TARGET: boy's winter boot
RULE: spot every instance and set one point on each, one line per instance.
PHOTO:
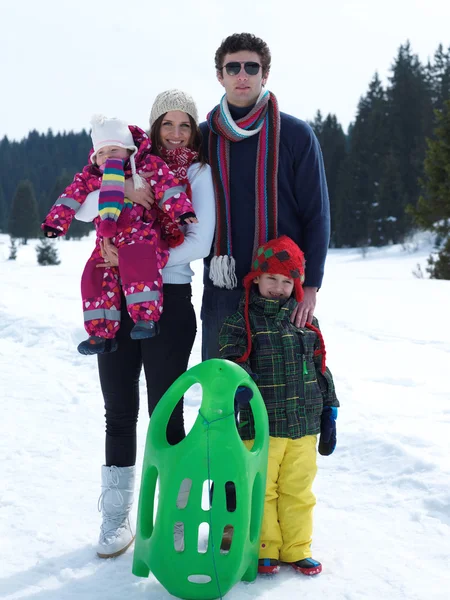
(115, 503)
(268, 566)
(308, 566)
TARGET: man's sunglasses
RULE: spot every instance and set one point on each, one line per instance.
(234, 68)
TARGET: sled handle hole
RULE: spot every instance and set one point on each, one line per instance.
(203, 537)
(183, 493)
(178, 536)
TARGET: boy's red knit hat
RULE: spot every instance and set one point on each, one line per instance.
(280, 256)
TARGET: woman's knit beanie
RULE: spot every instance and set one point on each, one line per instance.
(173, 100)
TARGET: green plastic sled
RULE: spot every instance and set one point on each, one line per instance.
(198, 470)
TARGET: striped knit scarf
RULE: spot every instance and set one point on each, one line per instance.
(111, 197)
(263, 119)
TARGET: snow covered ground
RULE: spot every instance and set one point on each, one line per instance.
(382, 522)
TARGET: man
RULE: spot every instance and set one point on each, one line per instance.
(269, 180)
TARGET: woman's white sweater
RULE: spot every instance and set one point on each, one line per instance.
(198, 237)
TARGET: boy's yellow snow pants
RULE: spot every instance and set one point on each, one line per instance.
(286, 532)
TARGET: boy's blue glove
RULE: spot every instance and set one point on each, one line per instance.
(327, 439)
(242, 397)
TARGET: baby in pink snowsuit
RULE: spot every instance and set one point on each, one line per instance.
(119, 151)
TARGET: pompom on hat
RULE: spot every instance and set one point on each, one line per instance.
(280, 256)
(173, 100)
(114, 132)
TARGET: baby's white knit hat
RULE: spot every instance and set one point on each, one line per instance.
(114, 132)
(173, 100)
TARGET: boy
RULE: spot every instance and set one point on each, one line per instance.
(288, 364)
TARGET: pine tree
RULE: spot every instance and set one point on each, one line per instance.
(3, 211)
(433, 208)
(410, 123)
(317, 124)
(390, 197)
(342, 218)
(23, 218)
(439, 73)
(40, 158)
(333, 142)
(361, 212)
(439, 266)
(47, 253)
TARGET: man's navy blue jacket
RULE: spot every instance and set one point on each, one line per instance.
(303, 205)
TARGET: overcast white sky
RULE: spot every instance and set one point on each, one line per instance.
(62, 61)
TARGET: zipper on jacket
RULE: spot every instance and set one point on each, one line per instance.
(304, 370)
(305, 366)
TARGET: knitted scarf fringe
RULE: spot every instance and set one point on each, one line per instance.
(222, 272)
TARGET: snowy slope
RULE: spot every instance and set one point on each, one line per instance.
(382, 522)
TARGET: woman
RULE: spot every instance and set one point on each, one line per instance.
(176, 137)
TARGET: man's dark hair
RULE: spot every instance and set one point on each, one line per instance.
(244, 41)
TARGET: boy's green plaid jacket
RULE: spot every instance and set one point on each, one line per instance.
(287, 373)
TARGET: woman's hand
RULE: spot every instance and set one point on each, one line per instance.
(109, 253)
(187, 220)
(143, 196)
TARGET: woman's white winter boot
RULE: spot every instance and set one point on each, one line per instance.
(115, 503)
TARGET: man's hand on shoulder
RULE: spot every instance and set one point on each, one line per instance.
(304, 311)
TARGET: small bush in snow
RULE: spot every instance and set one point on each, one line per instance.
(417, 272)
(12, 250)
(47, 253)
